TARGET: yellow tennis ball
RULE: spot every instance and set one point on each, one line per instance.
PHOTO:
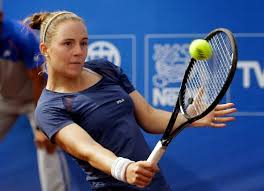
(200, 49)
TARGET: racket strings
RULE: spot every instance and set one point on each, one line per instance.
(224, 54)
(207, 77)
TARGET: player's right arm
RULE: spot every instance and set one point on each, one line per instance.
(74, 140)
(80, 144)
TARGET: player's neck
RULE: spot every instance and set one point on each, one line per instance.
(61, 84)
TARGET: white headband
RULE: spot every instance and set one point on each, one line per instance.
(51, 19)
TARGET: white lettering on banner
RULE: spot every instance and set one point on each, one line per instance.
(246, 67)
(165, 96)
(170, 63)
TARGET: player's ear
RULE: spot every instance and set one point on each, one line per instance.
(43, 48)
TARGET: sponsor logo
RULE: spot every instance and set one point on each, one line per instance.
(104, 49)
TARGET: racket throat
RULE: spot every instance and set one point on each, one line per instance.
(165, 141)
(166, 138)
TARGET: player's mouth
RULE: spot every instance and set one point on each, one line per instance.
(76, 63)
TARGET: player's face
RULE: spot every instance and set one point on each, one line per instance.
(68, 49)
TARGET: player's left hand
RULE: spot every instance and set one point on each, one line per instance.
(218, 117)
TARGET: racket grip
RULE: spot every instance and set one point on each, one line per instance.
(157, 153)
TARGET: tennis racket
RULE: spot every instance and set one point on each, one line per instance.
(204, 84)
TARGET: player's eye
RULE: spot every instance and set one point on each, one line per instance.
(67, 43)
(84, 43)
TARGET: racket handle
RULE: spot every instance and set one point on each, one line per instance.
(157, 153)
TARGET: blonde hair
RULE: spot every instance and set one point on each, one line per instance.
(47, 22)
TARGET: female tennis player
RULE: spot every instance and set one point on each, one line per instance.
(94, 113)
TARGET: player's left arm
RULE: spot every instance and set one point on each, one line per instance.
(155, 120)
(152, 120)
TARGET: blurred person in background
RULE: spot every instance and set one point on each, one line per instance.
(20, 88)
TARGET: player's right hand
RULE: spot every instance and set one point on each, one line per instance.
(141, 173)
(42, 142)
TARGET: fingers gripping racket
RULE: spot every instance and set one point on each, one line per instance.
(203, 86)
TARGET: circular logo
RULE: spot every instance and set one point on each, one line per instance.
(104, 49)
